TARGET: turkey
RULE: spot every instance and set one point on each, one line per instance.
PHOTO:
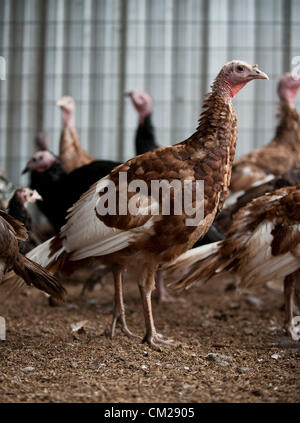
(17, 208)
(58, 188)
(71, 154)
(262, 243)
(282, 153)
(224, 219)
(133, 235)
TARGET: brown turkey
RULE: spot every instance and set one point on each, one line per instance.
(224, 219)
(282, 153)
(138, 241)
(262, 243)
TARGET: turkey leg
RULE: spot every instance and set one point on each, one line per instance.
(119, 308)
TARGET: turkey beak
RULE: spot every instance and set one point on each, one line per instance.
(36, 196)
(257, 73)
(296, 78)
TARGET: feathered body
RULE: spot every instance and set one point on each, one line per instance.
(224, 220)
(145, 140)
(262, 243)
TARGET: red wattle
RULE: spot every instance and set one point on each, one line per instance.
(236, 88)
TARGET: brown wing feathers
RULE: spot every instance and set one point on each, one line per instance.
(15, 226)
(280, 208)
(11, 231)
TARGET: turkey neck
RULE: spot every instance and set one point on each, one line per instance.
(69, 143)
(147, 122)
(288, 130)
(145, 136)
(19, 212)
(69, 133)
(212, 148)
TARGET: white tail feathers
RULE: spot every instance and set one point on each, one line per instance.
(41, 253)
(182, 266)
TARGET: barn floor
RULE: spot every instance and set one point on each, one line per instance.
(225, 350)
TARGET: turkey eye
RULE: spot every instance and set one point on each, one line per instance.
(240, 68)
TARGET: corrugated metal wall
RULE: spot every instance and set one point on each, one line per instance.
(94, 49)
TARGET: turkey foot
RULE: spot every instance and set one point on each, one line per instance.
(293, 331)
(118, 316)
(154, 340)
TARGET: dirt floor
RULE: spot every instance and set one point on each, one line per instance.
(231, 349)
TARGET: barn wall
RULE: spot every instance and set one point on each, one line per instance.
(94, 49)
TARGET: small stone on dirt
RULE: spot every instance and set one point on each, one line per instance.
(234, 306)
(28, 369)
(243, 369)
(93, 300)
(276, 356)
(250, 299)
(217, 358)
(249, 331)
(71, 306)
(79, 326)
